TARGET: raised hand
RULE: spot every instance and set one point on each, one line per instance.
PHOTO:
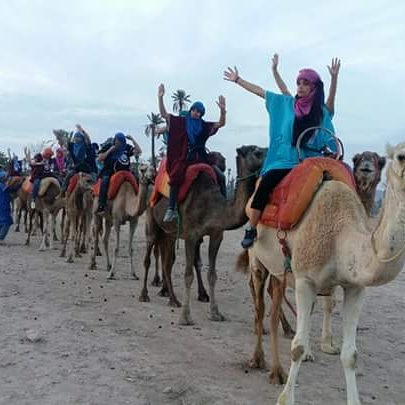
(161, 90)
(232, 75)
(221, 103)
(274, 61)
(334, 67)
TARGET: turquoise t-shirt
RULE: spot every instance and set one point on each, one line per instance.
(281, 153)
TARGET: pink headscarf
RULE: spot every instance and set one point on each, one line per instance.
(302, 105)
(60, 159)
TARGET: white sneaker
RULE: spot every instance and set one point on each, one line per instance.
(32, 205)
(170, 215)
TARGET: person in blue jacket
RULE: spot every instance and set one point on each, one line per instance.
(6, 219)
(289, 116)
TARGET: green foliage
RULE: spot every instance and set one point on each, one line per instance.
(3, 160)
(180, 100)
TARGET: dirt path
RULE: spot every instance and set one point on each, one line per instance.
(94, 343)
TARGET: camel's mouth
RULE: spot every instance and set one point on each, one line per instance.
(366, 170)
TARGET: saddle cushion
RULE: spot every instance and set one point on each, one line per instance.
(292, 196)
(162, 187)
(46, 183)
(116, 181)
(27, 185)
(72, 183)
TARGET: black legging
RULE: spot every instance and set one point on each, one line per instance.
(269, 182)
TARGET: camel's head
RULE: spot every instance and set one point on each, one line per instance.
(249, 159)
(85, 181)
(147, 174)
(367, 167)
(396, 169)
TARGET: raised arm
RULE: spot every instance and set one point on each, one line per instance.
(232, 75)
(334, 72)
(279, 81)
(9, 154)
(221, 103)
(162, 109)
(137, 148)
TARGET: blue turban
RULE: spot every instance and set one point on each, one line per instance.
(119, 136)
(199, 106)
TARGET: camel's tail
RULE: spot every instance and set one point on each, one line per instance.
(242, 262)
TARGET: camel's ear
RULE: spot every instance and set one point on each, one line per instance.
(389, 151)
(356, 158)
(243, 150)
(381, 161)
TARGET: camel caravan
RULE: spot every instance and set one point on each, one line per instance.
(307, 213)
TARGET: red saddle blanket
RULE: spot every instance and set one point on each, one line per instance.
(162, 186)
(27, 185)
(72, 183)
(292, 196)
(116, 181)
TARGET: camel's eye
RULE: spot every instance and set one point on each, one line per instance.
(401, 157)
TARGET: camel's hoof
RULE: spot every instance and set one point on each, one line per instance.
(70, 260)
(144, 298)
(277, 376)
(156, 282)
(62, 254)
(174, 303)
(111, 276)
(41, 249)
(330, 349)
(78, 255)
(215, 315)
(309, 357)
(203, 297)
(83, 250)
(93, 266)
(134, 276)
(98, 253)
(185, 317)
(17, 230)
(163, 292)
(257, 361)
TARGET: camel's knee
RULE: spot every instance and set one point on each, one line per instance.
(349, 357)
(297, 352)
(212, 277)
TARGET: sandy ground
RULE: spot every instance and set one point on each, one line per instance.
(94, 343)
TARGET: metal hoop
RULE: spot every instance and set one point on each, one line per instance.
(338, 142)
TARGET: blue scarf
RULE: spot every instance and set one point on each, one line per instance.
(194, 126)
(119, 136)
(79, 147)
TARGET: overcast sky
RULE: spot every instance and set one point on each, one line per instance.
(99, 63)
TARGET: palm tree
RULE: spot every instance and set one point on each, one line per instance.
(154, 121)
(180, 100)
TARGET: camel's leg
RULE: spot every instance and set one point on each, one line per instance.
(156, 282)
(117, 228)
(132, 226)
(288, 330)
(27, 242)
(52, 224)
(352, 305)
(26, 221)
(168, 256)
(65, 237)
(53, 234)
(78, 234)
(327, 340)
(72, 238)
(213, 248)
(46, 229)
(257, 282)
(96, 248)
(276, 290)
(202, 293)
(305, 297)
(18, 216)
(144, 297)
(106, 238)
(185, 316)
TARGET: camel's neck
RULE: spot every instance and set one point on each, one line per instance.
(387, 241)
(234, 215)
(142, 198)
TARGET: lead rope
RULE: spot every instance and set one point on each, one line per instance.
(282, 240)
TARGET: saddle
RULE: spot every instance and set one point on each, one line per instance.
(162, 187)
(116, 181)
(291, 198)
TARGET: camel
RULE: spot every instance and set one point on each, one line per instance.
(336, 244)
(367, 168)
(205, 211)
(126, 206)
(79, 204)
(48, 202)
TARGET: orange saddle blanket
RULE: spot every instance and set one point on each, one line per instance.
(162, 187)
(292, 196)
(27, 185)
(116, 181)
(72, 183)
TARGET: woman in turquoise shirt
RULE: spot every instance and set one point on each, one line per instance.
(289, 116)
